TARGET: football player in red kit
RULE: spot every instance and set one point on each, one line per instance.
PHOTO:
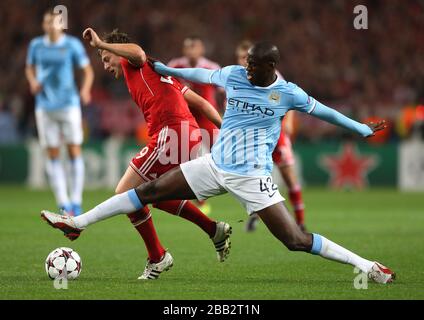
(193, 57)
(175, 137)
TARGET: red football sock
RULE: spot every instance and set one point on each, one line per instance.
(188, 211)
(296, 200)
(142, 221)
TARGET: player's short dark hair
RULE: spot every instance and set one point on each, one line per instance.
(266, 51)
(121, 37)
(116, 37)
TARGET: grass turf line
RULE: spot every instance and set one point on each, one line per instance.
(379, 224)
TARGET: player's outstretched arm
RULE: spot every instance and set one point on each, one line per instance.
(130, 51)
(199, 75)
(303, 102)
(330, 115)
(202, 105)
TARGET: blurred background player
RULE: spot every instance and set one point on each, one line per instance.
(282, 156)
(50, 64)
(193, 57)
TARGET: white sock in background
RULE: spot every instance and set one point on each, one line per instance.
(126, 202)
(57, 180)
(77, 179)
(330, 250)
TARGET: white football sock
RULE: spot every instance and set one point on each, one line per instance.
(77, 179)
(57, 179)
(330, 250)
(126, 202)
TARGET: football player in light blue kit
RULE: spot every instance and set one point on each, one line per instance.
(50, 67)
(241, 161)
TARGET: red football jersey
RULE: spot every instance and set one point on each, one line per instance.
(207, 91)
(159, 98)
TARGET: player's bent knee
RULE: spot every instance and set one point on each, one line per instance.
(53, 153)
(74, 151)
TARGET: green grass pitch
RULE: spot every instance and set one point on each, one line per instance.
(380, 224)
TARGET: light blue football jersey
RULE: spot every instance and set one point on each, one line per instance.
(54, 63)
(252, 120)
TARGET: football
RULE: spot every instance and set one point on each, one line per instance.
(63, 262)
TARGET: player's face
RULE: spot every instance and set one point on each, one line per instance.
(259, 71)
(111, 63)
(51, 24)
(241, 56)
(193, 49)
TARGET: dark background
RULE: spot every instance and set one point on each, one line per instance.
(377, 71)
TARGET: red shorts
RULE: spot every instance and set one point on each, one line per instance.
(283, 152)
(167, 148)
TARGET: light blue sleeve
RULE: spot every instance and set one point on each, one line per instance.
(191, 74)
(305, 103)
(79, 55)
(219, 77)
(302, 101)
(30, 59)
(200, 75)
